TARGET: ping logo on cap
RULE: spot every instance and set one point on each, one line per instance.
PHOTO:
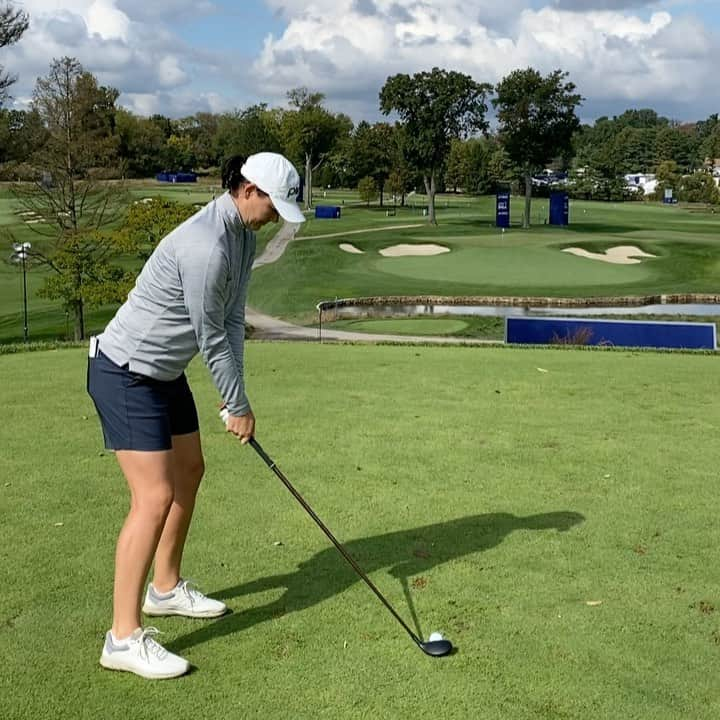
(292, 191)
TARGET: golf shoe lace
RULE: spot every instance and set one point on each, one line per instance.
(149, 646)
(191, 591)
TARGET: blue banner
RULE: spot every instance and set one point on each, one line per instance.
(622, 333)
(559, 208)
(502, 210)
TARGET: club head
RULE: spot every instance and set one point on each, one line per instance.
(436, 648)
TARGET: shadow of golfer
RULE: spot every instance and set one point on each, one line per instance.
(404, 553)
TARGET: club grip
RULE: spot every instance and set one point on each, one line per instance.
(258, 449)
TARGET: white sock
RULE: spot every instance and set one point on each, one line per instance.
(165, 595)
(119, 641)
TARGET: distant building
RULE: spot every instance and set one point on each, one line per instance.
(550, 177)
(647, 182)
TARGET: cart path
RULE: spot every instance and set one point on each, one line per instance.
(266, 327)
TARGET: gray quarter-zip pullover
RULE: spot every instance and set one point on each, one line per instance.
(190, 298)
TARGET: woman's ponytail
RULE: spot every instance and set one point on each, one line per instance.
(232, 177)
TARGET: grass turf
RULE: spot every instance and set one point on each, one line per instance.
(404, 326)
(451, 468)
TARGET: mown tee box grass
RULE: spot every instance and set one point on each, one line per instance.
(552, 512)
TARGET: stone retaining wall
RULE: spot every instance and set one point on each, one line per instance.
(522, 301)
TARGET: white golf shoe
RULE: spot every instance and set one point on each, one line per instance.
(185, 600)
(142, 655)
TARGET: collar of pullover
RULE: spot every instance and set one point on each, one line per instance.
(229, 211)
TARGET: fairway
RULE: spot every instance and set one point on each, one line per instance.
(552, 512)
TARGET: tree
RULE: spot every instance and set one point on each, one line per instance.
(635, 149)
(699, 188)
(500, 170)
(396, 185)
(434, 107)
(471, 166)
(141, 144)
(668, 178)
(21, 133)
(13, 23)
(310, 132)
(149, 221)
(710, 147)
(338, 170)
(672, 144)
(457, 168)
(367, 189)
(371, 152)
(77, 209)
(537, 120)
(643, 119)
(178, 153)
(201, 129)
(245, 133)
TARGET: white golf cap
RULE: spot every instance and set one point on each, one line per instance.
(276, 175)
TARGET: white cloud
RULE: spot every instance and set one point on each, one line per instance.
(175, 104)
(612, 56)
(169, 72)
(621, 57)
(140, 59)
(107, 21)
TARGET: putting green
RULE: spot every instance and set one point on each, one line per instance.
(543, 266)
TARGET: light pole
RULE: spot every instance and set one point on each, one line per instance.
(21, 255)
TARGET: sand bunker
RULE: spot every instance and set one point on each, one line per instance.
(348, 247)
(402, 250)
(620, 255)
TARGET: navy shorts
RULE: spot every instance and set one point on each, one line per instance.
(138, 412)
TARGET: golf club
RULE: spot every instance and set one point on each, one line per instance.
(411, 606)
(435, 648)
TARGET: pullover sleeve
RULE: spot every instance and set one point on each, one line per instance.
(235, 321)
(205, 274)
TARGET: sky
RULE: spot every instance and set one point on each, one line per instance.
(179, 57)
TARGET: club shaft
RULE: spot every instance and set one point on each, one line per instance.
(271, 464)
(408, 597)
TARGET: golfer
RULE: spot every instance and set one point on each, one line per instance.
(189, 298)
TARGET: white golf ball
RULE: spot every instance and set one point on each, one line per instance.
(435, 636)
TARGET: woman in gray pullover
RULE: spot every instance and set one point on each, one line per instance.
(189, 298)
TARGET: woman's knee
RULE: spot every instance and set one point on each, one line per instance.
(153, 503)
(189, 471)
(197, 470)
(190, 478)
(189, 464)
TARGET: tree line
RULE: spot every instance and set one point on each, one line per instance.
(435, 132)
